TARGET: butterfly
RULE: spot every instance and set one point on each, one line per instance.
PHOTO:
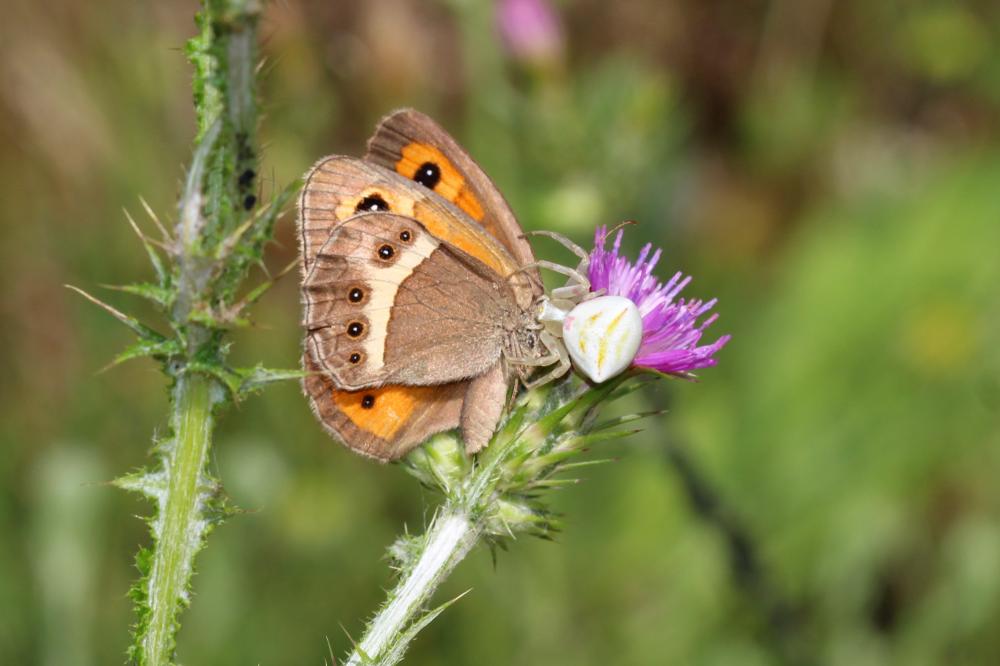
(420, 293)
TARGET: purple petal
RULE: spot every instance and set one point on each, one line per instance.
(671, 331)
(530, 29)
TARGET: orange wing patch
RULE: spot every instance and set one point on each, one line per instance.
(382, 411)
(452, 185)
(438, 223)
(440, 226)
(476, 244)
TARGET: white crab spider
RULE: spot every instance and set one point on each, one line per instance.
(598, 334)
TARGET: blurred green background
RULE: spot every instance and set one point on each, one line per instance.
(830, 170)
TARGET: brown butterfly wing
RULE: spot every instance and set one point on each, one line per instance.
(339, 187)
(387, 422)
(335, 190)
(383, 423)
(414, 146)
(386, 302)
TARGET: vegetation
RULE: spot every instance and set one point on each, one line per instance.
(826, 496)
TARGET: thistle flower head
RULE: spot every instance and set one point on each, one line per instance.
(530, 30)
(670, 328)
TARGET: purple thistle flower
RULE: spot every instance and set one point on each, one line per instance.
(670, 331)
(530, 29)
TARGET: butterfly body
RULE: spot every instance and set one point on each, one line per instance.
(418, 291)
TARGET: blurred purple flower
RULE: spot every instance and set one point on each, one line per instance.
(670, 332)
(530, 29)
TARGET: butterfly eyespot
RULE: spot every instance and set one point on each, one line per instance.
(354, 358)
(355, 329)
(368, 401)
(405, 235)
(249, 201)
(246, 178)
(386, 252)
(355, 295)
(372, 202)
(428, 175)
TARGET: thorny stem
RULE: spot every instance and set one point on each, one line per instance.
(453, 532)
(182, 525)
(491, 499)
(210, 255)
(450, 537)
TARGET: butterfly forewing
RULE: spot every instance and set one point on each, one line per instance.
(338, 187)
(416, 147)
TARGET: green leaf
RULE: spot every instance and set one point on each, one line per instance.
(584, 441)
(225, 375)
(628, 418)
(252, 380)
(394, 654)
(162, 296)
(160, 350)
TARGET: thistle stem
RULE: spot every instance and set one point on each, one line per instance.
(450, 537)
(211, 253)
(487, 499)
(183, 525)
(455, 529)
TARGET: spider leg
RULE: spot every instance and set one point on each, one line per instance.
(558, 372)
(558, 268)
(562, 240)
(563, 363)
(534, 361)
(570, 292)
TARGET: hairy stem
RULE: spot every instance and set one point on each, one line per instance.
(450, 537)
(490, 499)
(457, 527)
(182, 523)
(216, 239)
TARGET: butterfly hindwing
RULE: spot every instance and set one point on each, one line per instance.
(383, 423)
